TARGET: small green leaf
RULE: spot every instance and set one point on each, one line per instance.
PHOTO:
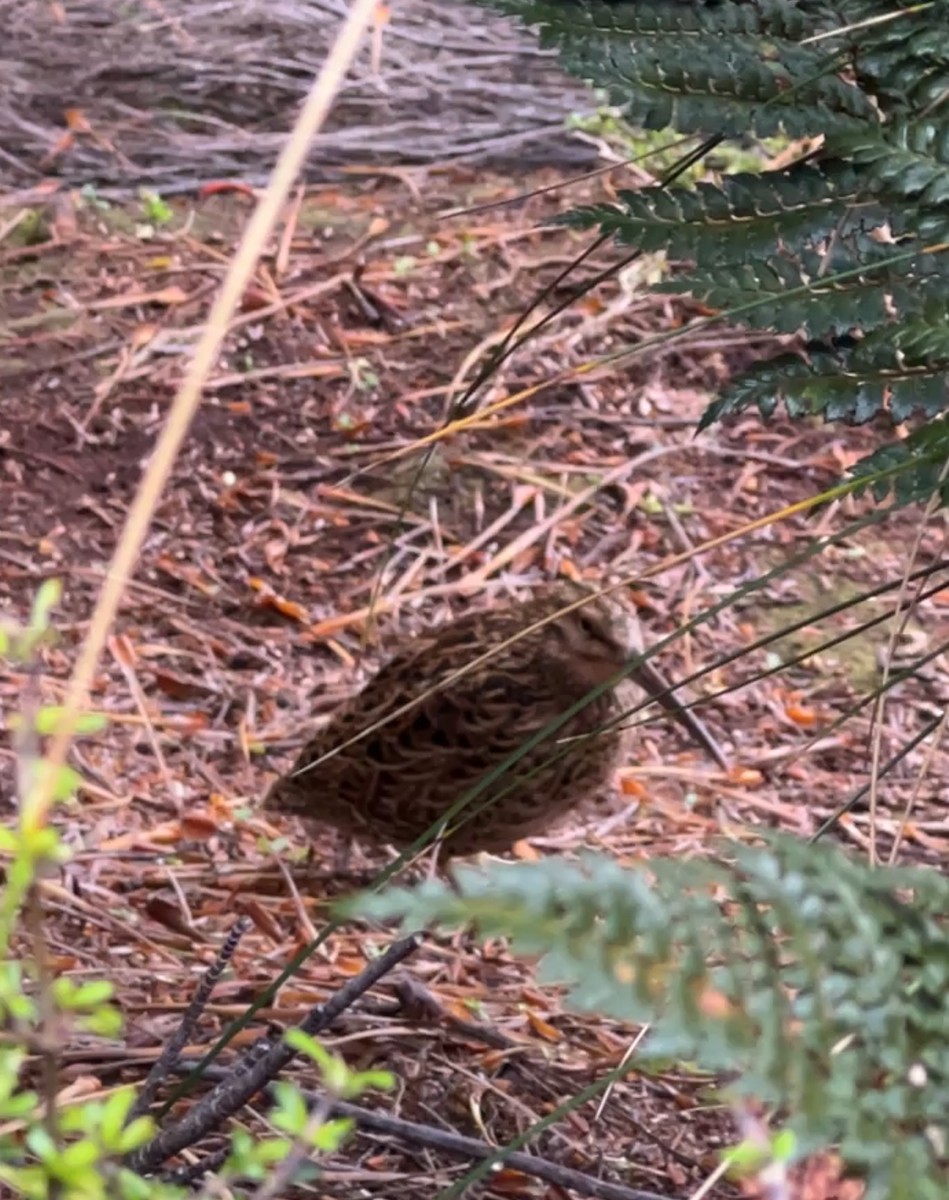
(88, 994)
(291, 1112)
(114, 1114)
(155, 208)
(133, 1187)
(74, 1159)
(361, 1081)
(272, 1150)
(16, 1107)
(328, 1137)
(12, 1059)
(302, 1042)
(746, 1157)
(48, 720)
(48, 596)
(65, 781)
(135, 1134)
(105, 1022)
(40, 1143)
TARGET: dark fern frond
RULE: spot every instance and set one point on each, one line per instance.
(808, 291)
(741, 220)
(758, 75)
(912, 470)
(909, 159)
(855, 239)
(821, 386)
(796, 966)
(904, 64)
(898, 368)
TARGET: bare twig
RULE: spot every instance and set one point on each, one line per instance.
(508, 100)
(179, 1039)
(432, 1138)
(240, 1084)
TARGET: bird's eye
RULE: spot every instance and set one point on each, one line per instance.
(587, 626)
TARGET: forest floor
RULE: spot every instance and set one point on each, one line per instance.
(246, 620)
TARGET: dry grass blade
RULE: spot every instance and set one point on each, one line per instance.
(189, 395)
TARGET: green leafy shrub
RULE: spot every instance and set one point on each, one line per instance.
(76, 1150)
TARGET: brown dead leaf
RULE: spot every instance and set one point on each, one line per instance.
(199, 825)
(255, 298)
(543, 1028)
(261, 918)
(77, 121)
(347, 965)
(525, 851)
(268, 598)
(801, 715)
(745, 776)
(63, 143)
(62, 218)
(78, 1089)
(185, 573)
(180, 688)
(458, 1010)
(63, 962)
(142, 335)
(166, 297)
(508, 1182)
(122, 650)
(169, 914)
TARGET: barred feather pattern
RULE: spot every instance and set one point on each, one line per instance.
(390, 785)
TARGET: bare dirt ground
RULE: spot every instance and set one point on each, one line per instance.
(245, 621)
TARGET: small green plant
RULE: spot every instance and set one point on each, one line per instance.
(76, 1150)
(72, 1151)
(90, 198)
(156, 210)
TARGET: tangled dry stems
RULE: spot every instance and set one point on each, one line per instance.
(173, 93)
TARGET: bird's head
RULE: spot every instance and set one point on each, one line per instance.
(595, 637)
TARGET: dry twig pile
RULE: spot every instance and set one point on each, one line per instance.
(169, 95)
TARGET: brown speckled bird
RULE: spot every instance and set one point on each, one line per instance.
(391, 785)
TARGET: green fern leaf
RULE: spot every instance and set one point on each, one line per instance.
(762, 76)
(741, 220)
(907, 159)
(912, 471)
(852, 240)
(793, 965)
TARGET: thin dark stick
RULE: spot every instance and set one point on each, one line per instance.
(467, 1147)
(240, 1084)
(433, 1138)
(179, 1039)
(193, 1172)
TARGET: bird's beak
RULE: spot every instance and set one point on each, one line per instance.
(653, 683)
